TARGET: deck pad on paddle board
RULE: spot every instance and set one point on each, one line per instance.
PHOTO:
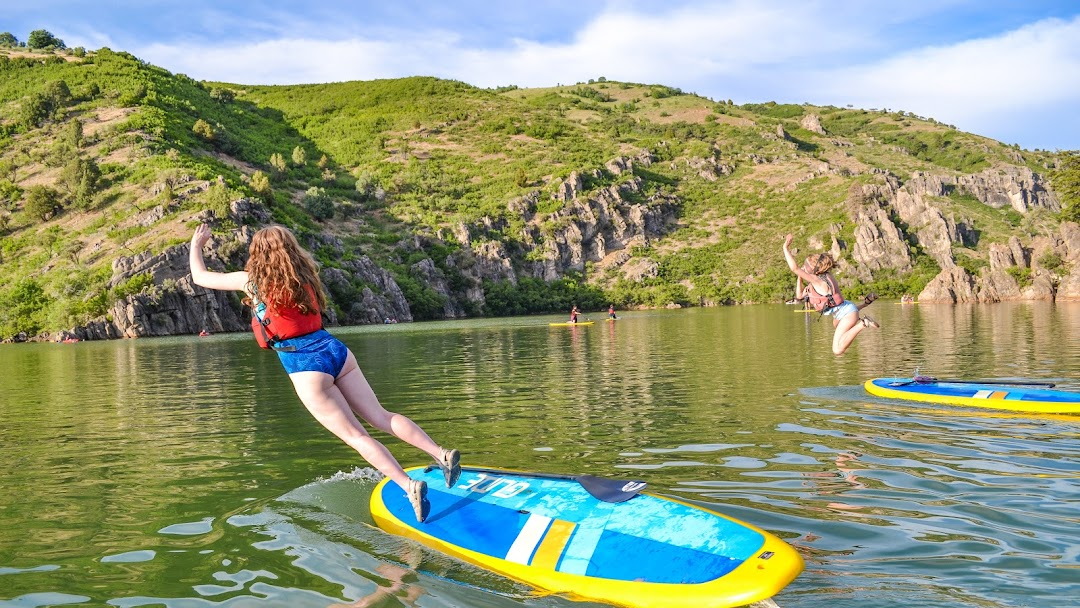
(976, 394)
(551, 533)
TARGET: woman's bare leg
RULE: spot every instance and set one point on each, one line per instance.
(846, 330)
(329, 406)
(357, 392)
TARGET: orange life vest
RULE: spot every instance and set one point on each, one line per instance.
(272, 326)
(823, 302)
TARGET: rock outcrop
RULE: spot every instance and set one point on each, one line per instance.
(953, 285)
(172, 304)
(812, 123)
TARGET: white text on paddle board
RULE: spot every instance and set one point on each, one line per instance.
(497, 486)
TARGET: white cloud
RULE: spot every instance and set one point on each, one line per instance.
(747, 51)
(974, 83)
(687, 43)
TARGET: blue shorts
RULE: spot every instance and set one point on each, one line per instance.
(842, 310)
(316, 352)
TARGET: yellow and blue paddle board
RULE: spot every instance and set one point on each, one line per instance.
(647, 552)
(975, 394)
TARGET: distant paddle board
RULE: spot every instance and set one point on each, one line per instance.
(552, 533)
(571, 324)
(985, 394)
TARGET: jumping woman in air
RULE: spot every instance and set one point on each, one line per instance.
(823, 293)
(282, 285)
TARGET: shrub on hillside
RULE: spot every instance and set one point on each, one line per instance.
(1066, 182)
(203, 130)
(260, 185)
(41, 202)
(22, 308)
(318, 204)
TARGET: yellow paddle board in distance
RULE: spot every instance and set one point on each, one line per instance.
(571, 324)
(555, 533)
(1007, 396)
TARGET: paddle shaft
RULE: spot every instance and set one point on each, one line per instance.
(928, 380)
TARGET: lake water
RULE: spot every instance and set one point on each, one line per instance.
(183, 472)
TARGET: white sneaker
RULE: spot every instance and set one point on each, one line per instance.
(450, 463)
(417, 493)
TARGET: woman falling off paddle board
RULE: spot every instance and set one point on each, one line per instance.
(823, 293)
(281, 282)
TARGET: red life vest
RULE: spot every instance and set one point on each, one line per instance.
(823, 302)
(272, 326)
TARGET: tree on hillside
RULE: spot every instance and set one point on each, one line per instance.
(45, 105)
(203, 130)
(277, 161)
(80, 181)
(260, 184)
(42, 39)
(1066, 182)
(41, 202)
(299, 156)
(6, 39)
(318, 204)
(73, 134)
(22, 307)
(222, 95)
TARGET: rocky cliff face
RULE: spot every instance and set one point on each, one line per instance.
(889, 214)
(597, 226)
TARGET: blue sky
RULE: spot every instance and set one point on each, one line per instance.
(1006, 70)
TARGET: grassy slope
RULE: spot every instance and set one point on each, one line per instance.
(445, 152)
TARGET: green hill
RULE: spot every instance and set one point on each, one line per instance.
(103, 156)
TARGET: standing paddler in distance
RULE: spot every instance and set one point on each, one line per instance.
(282, 287)
(823, 293)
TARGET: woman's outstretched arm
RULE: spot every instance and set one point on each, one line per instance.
(224, 281)
(811, 279)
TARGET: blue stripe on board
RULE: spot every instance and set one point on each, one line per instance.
(628, 558)
(580, 549)
(470, 524)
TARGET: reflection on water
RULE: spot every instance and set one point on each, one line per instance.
(184, 472)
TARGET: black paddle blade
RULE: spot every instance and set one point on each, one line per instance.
(610, 490)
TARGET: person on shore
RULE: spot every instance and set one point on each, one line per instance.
(823, 294)
(282, 286)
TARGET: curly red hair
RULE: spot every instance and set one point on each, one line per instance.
(281, 269)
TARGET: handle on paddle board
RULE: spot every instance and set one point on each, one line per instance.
(931, 380)
(606, 490)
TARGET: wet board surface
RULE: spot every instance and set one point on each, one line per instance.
(646, 551)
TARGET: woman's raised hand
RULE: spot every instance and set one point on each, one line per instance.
(202, 234)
